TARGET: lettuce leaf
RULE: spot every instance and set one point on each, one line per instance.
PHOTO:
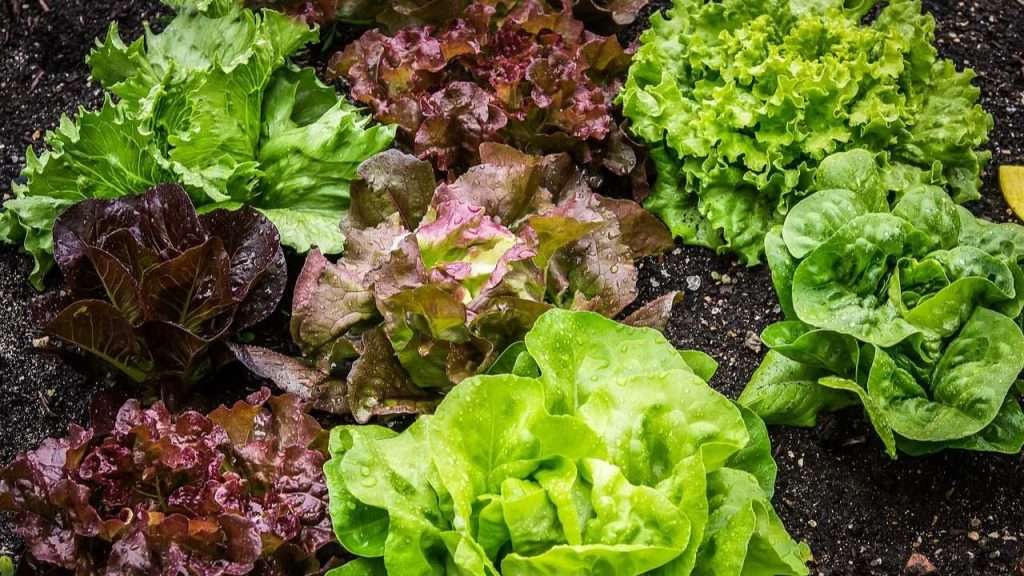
(741, 102)
(617, 457)
(913, 313)
(397, 14)
(213, 103)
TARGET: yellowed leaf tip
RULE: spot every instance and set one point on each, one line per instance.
(1011, 181)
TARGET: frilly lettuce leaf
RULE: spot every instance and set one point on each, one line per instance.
(742, 101)
(637, 467)
(454, 74)
(212, 103)
(912, 312)
(394, 15)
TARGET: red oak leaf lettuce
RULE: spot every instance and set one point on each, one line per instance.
(237, 491)
(516, 72)
(151, 288)
(396, 14)
(438, 281)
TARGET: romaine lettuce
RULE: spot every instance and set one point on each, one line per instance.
(153, 290)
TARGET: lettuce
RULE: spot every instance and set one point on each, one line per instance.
(397, 14)
(913, 313)
(153, 290)
(438, 280)
(741, 100)
(616, 457)
(521, 73)
(211, 103)
(239, 490)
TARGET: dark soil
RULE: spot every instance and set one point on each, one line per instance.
(862, 513)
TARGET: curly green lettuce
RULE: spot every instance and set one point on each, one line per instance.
(741, 100)
(913, 313)
(604, 453)
(214, 104)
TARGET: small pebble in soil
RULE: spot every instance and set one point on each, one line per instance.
(919, 565)
(752, 341)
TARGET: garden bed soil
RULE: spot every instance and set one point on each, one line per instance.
(861, 513)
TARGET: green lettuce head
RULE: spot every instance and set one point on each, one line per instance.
(212, 103)
(741, 100)
(913, 313)
(602, 452)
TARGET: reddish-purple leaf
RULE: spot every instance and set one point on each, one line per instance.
(522, 73)
(258, 271)
(99, 328)
(123, 291)
(193, 290)
(656, 313)
(324, 391)
(391, 182)
(643, 232)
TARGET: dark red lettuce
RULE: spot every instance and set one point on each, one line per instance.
(396, 14)
(152, 288)
(610, 12)
(437, 282)
(521, 73)
(240, 490)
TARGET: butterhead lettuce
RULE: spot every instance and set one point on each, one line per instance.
(913, 313)
(612, 457)
(438, 279)
(741, 100)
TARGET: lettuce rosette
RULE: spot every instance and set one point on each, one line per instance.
(603, 451)
(213, 103)
(913, 313)
(740, 101)
(438, 279)
(238, 490)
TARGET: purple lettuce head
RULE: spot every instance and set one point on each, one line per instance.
(515, 72)
(150, 287)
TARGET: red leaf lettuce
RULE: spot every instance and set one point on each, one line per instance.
(520, 73)
(151, 287)
(240, 490)
(437, 282)
(396, 14)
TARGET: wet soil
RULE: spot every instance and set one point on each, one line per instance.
(862, 513)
